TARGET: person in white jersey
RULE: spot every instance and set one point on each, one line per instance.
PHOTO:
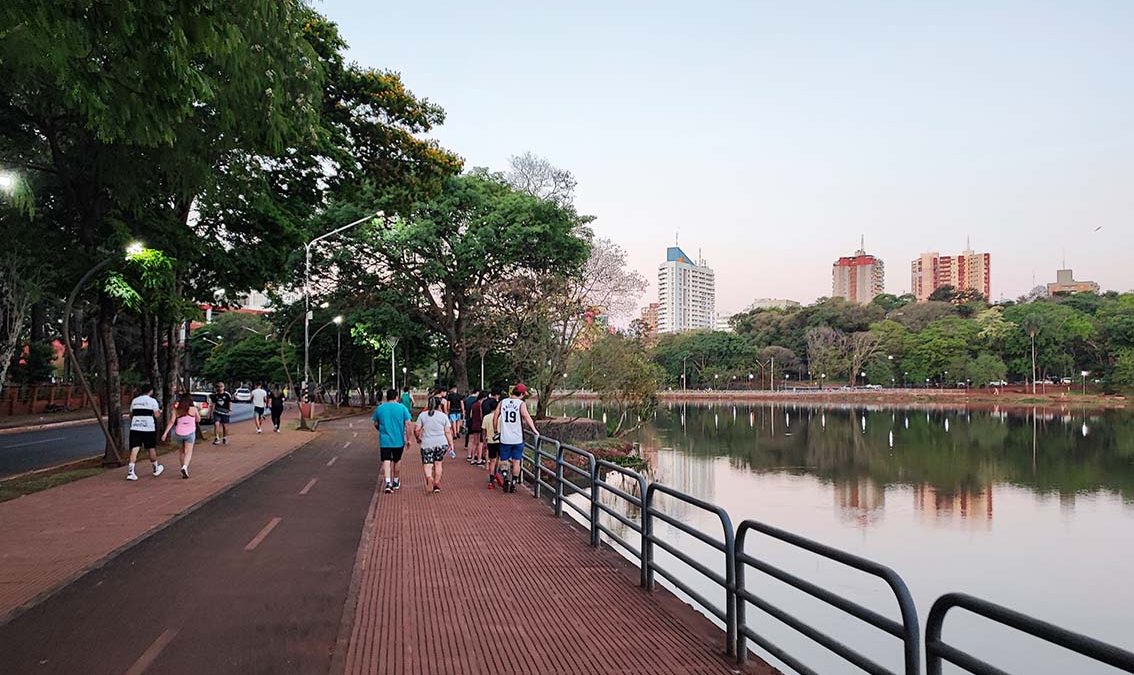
(143, 430)
(259, 405)
(510, 418)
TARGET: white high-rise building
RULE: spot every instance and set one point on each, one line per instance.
(687, 295)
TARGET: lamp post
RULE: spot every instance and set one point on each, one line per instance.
(683, 385)
(405, 377)
(307, 297)
(338, 321)
(1085, 373)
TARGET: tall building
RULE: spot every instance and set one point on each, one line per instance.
(1065, 283)
(970, 270)
(686, 294)
(858, 278)
(650, 323)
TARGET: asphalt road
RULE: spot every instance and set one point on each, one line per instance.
(253, 582)
(37, 449)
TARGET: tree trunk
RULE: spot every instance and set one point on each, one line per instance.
(458, 362)
(38, 319)
(172, 369)
(111, 381)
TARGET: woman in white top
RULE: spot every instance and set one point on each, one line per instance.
(436, 437)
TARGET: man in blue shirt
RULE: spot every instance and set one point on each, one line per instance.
(390, 420)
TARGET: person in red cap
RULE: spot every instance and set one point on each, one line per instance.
(510, 418)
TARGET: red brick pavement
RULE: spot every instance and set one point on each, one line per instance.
(49, 538)
(431, 596)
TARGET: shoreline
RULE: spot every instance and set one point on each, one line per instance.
(901, 398)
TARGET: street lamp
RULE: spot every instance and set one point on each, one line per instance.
(338, 321)
(1085, 373)
(307, 295)
(404, 376)
(7, 182)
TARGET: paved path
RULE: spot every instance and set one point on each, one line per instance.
(49, 537)
(478, 581)
(28, 450)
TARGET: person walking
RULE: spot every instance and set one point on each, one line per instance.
(407, 398)
(259, 403)
(222, 409)
(474, 430)
(390, 420)
(276, 404)
(456, 414)
(184, 425)
(510, 417)
(143, 430)
(492, 438)
(436, 437)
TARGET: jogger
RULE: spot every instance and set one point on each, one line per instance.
(390, 420)
(143, 430)
(277, 402)
(259, 403)
(222, 408)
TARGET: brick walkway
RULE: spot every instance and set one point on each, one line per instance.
(51, 537)
(429, 600)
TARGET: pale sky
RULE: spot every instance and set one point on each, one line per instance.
(773, 134)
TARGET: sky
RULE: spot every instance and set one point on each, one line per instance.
(770, 136)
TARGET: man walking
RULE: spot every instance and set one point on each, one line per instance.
(491, 437)
(510, 417)
(390, 420)
(143, 430)
(259, 404)
(222, 408)
(407, 399)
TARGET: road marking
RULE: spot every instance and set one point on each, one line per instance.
(310, 484)
(263, 533)
(346, 445)
(152, 652)
(350, 424)
(355, 434)
(46, 440)
(333, 460)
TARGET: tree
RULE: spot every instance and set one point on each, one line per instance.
(918, 316)
(22, 278)
(252, 359)
(1123, 375)
(540, 178)
(618, 369)
(861, 347)
(827, 352)
(945, 293)
(447, 255)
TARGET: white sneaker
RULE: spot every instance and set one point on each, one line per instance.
(184, 472)
(158, 468)
(131, 476)
(259, 431)
(277, 430)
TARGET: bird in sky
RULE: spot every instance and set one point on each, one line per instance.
(1098, 228)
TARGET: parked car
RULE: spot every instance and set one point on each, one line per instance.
(204, 408)
(998, 383)
(873, 386)
(242, 395)
(1065, 380)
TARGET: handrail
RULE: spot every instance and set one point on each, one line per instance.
(738, 560)
(906, 630)
(938, 651)
(727, 546)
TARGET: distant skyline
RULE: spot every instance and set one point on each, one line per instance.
(772, 135)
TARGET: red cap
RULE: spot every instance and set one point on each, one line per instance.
(520, 389)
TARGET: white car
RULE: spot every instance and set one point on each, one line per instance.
(242, 395)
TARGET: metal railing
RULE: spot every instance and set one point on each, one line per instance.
(906, 630)
(938, 651)
(561, 483)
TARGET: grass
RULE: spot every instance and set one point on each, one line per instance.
(26, 485)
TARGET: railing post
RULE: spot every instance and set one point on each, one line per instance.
(537, 462)
(558, 479)
(648, 536)
(730, 585)
(738, 576)
(595, 534)
(645, 580)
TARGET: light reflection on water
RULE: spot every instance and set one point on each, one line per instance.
(1032, 510)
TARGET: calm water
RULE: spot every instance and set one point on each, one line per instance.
(1031, 510)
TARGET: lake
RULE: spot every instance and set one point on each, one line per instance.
(1030, 509)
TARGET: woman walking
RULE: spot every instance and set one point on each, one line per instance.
(184, 425)
(435, 434)
(275, 405)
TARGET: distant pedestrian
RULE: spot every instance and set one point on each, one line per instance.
(184, 423)
(390, 420)
(436, 437)
(407, 398)
(491, 435)
(259, 405)
(276, 403)
(474, 430)
(456, 414)
(466, 405)
(222, 409)
(511, 416)
(143, 430)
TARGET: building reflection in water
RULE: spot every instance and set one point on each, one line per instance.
(861, 501)
(935, 505)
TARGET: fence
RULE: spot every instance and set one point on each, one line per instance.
(564, 471)
(45, 398)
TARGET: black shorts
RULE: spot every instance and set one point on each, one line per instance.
(220, 417)
(143, 439)
(493, 450)
(392, 454)
(259, 410)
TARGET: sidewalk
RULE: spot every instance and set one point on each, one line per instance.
(52, 537)
(431, 596)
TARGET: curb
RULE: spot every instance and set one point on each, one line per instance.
(46, 594)
(48, 425)
(346, 622)
(62, 466)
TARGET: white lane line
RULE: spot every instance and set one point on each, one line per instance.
(263, 533)
(333, 460)
(355, 434)
(310, 484)
(346, 445)
(45, 440)
(350, 424)
(152, 652)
